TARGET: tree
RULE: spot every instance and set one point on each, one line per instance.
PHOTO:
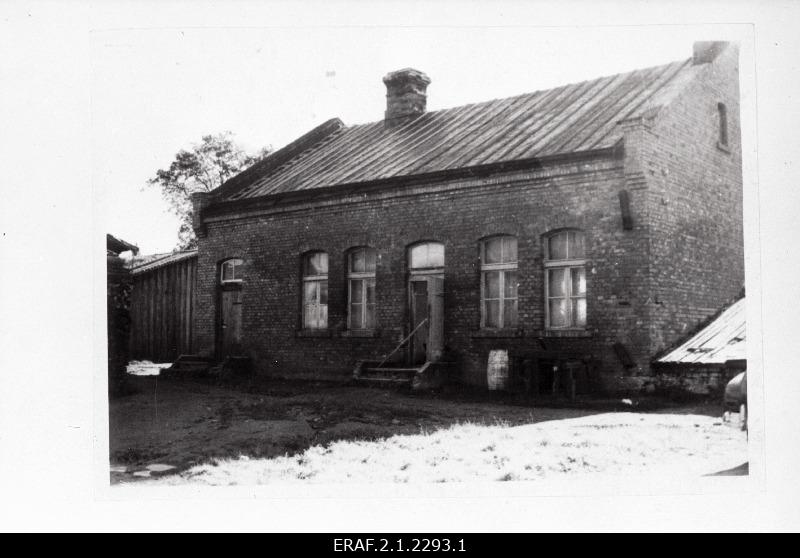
(205, 167)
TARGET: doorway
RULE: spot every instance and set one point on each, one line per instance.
(230, 323)
(426, 301)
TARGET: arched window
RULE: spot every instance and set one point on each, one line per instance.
(722, 113)
(565, 281)
(230, 271)
(361, 288)
(426, 255)
(499, 282)
(315, 290)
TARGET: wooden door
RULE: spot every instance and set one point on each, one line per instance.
(435, 318)
(230, 326)
(418, 294)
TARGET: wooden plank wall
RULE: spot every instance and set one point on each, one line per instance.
(162, 307)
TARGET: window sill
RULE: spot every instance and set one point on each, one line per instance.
(360, 333)
(313, 333)
(497, 333)
(723, 147)
(566, 333)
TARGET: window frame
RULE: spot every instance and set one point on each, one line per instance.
(428, 269)
(364, 277)
(235, 262)
(317, 278)
(567, 264)
(502, 268)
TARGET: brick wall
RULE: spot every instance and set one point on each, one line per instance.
(458, 214)
(695, 205)
(646, 287)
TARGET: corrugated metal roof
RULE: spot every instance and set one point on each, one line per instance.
(159, 260)
(721, 340)
(568, 119)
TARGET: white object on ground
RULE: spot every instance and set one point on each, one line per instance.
(146, 368)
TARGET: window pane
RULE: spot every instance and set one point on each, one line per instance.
(323, 292)
(310, 292)
(322, 322)
(493, 250)
(371, 257)
(227, 271)
(556, 282)
(510, 287)
(557, 247)
(355, 317)
(358, 261)
(510, 313)
(370, 323)
(309, 316)
(436, 255)
(509, 249)
(356, 291)
(419, 256)
(558, 312)
(577, 249)
(578, 281)
(492, 284)
(430, 254)
(579, 312)
(370, 291)
(317, 264)
(492, 313)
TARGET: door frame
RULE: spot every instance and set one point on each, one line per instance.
(414, 276)
(219, 350)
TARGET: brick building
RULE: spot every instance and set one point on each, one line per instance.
(598, 221)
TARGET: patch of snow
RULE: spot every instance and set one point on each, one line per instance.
(159, 468)
(611, 443)
(146, 368)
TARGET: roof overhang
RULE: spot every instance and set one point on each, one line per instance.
(220, 208)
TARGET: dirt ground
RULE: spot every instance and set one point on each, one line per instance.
(186, 423)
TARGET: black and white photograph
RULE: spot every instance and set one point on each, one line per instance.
(395, 255)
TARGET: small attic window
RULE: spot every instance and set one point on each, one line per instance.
(722, 114)
(230, 271)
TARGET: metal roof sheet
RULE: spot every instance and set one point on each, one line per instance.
(567, 119)
(722, 340)
(160, 260)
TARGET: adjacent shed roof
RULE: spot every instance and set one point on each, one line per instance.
(116, 245)
(156, 261)
(568, 119)
(722, 340)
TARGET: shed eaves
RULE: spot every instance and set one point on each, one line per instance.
(723, 339)
(149, 263)
(568, 119)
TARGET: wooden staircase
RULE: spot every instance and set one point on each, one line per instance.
(188, 366)
(430, 375)
(376, 373)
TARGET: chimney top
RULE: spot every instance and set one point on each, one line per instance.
(707, 51)
(405, 94)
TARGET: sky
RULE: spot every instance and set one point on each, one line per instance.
(156, 91)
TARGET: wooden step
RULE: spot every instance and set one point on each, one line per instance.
(385, 374)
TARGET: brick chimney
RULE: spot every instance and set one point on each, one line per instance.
(707, 51)
(405, 94)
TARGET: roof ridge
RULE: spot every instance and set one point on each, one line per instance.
(535, 92)
(448, 138)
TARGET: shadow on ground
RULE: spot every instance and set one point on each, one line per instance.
(742, 470)
(184, 423)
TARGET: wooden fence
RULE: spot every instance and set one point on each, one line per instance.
(162, 308)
